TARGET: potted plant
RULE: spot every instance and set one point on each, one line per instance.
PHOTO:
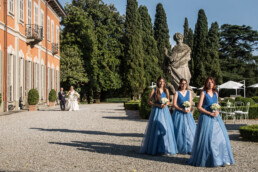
(52, 97)
(33, 99)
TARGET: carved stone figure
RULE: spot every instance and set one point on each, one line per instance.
(178, 63)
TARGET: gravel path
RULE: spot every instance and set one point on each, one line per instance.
(99, 137)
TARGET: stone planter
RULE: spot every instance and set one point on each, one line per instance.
(32, 107)
(51, 104)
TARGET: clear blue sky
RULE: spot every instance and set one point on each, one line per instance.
(239, 12)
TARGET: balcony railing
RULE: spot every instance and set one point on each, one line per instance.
(54, 48)
(34, 33)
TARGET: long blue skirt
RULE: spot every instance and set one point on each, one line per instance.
(184, 127)
(211, 146)
(159, 136)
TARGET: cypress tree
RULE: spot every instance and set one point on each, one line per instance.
(161, 35)
(133, 55)
(150, 50)
(212, 57)
(186, 31)
(188, 39)
(199, 48)
(190, 44)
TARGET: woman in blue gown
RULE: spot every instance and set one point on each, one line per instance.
(159, 137)
(184, 124)
(211, 146)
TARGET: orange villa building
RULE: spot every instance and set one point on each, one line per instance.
(29, 50)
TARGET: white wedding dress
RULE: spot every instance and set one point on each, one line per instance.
(72, 103)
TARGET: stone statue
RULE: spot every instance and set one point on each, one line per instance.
(178, 63)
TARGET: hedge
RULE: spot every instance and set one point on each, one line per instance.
(52, 96)
(255, 98)
(249, 132)
(132, 105)
(253, 112)
(245, 100)
(145, 108)
(116, 100)
(33, 97)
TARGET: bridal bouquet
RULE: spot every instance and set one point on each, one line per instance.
(187, 105)
(164, 100)
(215, 107)
(76, 95)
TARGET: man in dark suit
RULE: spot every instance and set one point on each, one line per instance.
(61, 96)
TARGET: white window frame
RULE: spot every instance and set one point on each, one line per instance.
(11, 7)
(42, 18)
(36, 14)
(29, 12)
(48, 28)
(52, 31)
(21, 10)
(57, 35)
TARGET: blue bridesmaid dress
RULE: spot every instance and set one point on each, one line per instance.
(159, 136)
(211, 146)
(184, 126)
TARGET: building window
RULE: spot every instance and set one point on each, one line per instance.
(57, 35)
(52, 31)
(10, 7)
(36, 14)
(42, 21)
(21, 10)
(48, 29)
(29, 11)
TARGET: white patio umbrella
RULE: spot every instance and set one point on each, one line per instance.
(253, 86)
(231, 85)
(192, 87)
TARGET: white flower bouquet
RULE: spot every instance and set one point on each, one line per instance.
(187, 105)
(215, 107)
(76, 95)
(164, 100)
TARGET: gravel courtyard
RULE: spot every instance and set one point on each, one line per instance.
(99, 137)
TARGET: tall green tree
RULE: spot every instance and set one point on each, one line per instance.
(212, 63)
(188, 39)
(72, 68)
(103, 68)
(150, 50)
(76, 46)
(161, 35)
(237, 61)
(134, 79)
(199, 48)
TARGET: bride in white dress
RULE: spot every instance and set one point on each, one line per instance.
(72, 103)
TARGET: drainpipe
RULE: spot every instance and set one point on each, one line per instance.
(5, 58)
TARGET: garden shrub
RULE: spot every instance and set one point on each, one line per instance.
(249, 132)
(255, 98)
(245, 100)
(33, 97)
(196, 100)
(145, 108)
(131, 106)
(52, 96)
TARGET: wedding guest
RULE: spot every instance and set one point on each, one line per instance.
(159, 137)
(61, 96)
(211, 146)
(184, 124)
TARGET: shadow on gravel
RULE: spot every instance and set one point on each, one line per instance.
(122, 150)
(132, 115)
(91, 132)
